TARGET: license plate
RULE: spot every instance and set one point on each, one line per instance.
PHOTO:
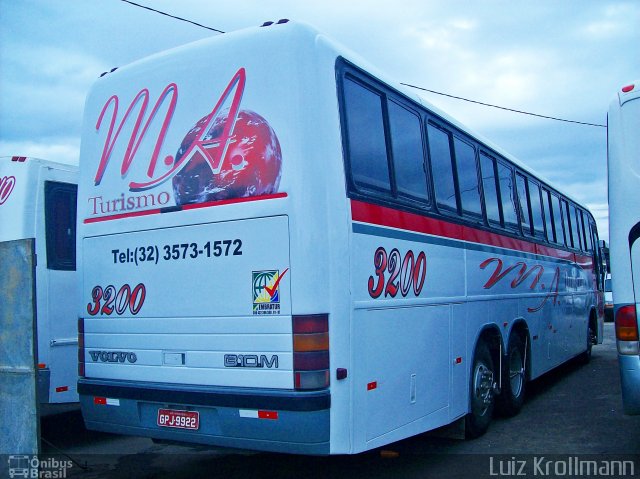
(179, 419)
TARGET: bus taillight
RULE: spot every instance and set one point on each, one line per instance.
(628, 88)
(311, 351)
(627, 330)
(81, 369)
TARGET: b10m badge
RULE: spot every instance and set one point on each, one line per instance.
(266, 291)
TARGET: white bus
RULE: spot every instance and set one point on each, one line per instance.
(38, 200)
(624, 235)
(283, 250)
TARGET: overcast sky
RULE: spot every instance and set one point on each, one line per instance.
(557, 58)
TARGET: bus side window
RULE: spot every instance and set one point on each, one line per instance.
(523, 204)
(585, 231)
(567, 226)
(366, 140)
(557, 220)
(465, 156)
(60, 225)
(537, 211)
(577, 238)
(408, 154)
(442, 168)
(508, 196)
(487, 167)
(548, 217)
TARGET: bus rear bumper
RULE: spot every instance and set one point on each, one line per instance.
(630, 382)
(228, 417)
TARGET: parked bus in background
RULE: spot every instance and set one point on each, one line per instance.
(283, 250)
(624, 235)
(38, 200)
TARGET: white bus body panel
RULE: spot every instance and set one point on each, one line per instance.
(164, 328)
(624, 223)
(22, 215)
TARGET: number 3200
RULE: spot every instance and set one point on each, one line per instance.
(404, 274)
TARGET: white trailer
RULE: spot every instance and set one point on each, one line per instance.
(38, 200)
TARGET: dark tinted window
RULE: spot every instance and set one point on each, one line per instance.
(587, 234)
(489, 187)
(523, 204)
(536, 209)
(508, 195)
(467, 177)
(60, 224)
(365, 127)
(567, 227)
(441, 168)
(408, 158)
(557, 219)
(548, 217)
(577, 237)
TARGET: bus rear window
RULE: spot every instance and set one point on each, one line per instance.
(60, 225)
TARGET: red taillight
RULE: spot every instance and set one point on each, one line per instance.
(628, 88)
(627, 331)
(81, 368)
(626, 323)
(311, 351)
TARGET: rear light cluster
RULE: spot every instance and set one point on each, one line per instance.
(627, 330)
(81, 370)
(311, 351)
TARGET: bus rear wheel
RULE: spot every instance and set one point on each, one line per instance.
(591, 339)
(482, 398)
(515, 373)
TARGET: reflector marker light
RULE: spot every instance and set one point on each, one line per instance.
(628, 88)
(62, 389)
(253, 414)
(372, 385)
(106, 401)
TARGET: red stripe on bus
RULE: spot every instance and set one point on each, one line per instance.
(392, 218)
(233, 201)
(185, 207)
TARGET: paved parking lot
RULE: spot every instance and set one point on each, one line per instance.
(573, 412)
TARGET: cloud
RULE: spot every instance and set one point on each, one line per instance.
(62, 150)
(44, 90)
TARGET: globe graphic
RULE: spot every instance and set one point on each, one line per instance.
(251, 165)
(260, 281)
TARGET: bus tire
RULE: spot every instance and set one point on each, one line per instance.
(481, 396)
(585, 357)
(515, 373)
